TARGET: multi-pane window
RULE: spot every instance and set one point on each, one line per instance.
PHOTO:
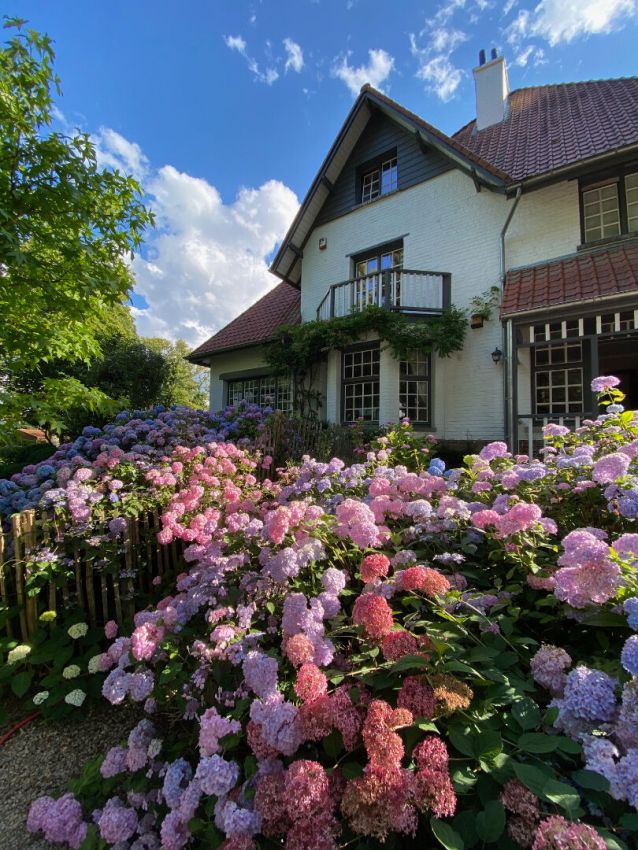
(601, 212)
(558, 378)
(266, 391)
(610, 208)
(360, 384)
(379, 181)
(631, 193)
(369, 288)
(414, 388)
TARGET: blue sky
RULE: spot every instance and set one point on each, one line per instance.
(224, 109)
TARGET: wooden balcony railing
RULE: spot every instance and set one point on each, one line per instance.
(406, 290)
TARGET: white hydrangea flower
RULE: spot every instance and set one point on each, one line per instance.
(71, 672)
(40, 697)
(154, 748)
(78, 630)
(18, 653)
(94, 665)
(75, 698)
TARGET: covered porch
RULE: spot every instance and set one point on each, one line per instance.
(566, 322)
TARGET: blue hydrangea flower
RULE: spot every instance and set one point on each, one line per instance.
(629, 655)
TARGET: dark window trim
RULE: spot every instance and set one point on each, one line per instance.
(258, 377)
(421, 422)
(603, 178)
(377, 251)
(358, 346)
(373, 164)
(584, 364)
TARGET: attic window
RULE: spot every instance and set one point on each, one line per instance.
(380, 180)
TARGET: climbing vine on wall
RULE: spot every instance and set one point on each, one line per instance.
(298, 350)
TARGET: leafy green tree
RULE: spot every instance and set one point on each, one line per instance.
(67, 227)
(185, 383)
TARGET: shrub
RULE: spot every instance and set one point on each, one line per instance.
(480, 688)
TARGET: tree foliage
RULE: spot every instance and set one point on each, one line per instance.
(66, 226)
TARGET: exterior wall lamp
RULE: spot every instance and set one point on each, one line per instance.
(496, 355)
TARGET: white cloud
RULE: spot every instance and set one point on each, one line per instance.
(378, 69)
(206, 260)
(447, 10)
(560, 21)
(441, 76)
(114, 151)
(236, 42)
(442, 39)
(509, 5)
(295, 55)
(438, 71)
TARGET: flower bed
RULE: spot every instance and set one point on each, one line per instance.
(375, 655)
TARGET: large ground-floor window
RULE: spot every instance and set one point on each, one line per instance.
(360, 383)
(265, 390)
(414, 388)
(559, 374)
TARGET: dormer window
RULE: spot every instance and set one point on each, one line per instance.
(380, 179)
(610, 206)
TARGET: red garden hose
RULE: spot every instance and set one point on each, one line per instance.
(16, 728)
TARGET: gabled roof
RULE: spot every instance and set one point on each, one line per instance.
(256, 325)
(552, 127)
(286, 264)
(585, 276)
(548, 128)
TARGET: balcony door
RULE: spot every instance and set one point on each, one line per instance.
(368, 269)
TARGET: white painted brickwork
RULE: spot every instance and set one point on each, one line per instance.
(446, 226)
(228, 362)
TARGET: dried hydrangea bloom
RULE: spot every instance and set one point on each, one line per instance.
(450, 693)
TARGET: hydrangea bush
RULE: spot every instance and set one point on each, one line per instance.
(371, 656)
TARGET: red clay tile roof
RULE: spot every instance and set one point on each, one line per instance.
(257, 324)
(549, 127)
(580, 277)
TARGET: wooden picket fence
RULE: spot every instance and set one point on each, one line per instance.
(103, 588)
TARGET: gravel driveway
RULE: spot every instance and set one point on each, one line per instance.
(42, 757)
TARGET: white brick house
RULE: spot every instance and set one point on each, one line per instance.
(538, 197)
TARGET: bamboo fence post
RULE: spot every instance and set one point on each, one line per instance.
(104, 591)
(30, 538)
(46, 537)
(77, 566)
(90, 592)
(4, 595)
(129, 535)
(16, 528)
(149, 550)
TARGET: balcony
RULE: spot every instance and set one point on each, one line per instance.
(420, 293)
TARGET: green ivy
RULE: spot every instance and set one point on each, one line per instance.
(297, 349)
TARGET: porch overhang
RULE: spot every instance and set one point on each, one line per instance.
(585, 277)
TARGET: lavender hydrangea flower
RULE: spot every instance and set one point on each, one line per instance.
(629, 655)
(589, 694)
(216, 775)
(117, 821)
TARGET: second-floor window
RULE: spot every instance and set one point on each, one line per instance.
(379, 180)
(610, 207)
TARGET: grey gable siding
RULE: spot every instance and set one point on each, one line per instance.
(381, 135)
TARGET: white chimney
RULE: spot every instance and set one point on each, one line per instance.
(492, 89)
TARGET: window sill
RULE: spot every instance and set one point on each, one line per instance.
(610, 240)
(363, 204)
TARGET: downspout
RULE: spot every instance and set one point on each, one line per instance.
(508, 366)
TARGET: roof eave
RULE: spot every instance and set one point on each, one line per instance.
(573, 169)
(484, 176)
